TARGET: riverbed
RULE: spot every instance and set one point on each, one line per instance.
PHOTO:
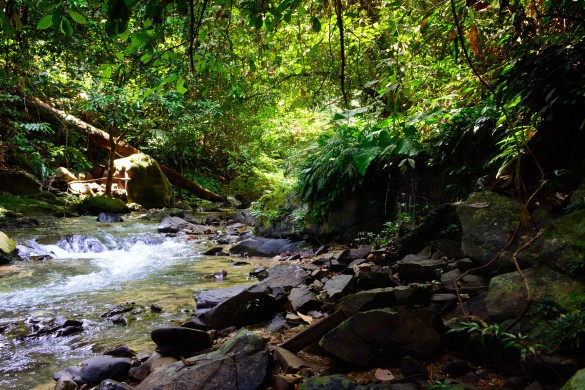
(124, 262)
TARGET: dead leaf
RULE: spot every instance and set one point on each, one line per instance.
(308, 319)
(472, 37)
(383, 375)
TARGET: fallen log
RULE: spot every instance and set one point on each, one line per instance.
(101, 138)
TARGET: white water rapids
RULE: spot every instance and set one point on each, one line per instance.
(128, 262)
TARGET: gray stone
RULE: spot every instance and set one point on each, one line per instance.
(380, 298)
(250, 306)
(368, 336)
(147, 184)
(174, 225)
(302, 299)
(288, 361)
(470, 280)
(339, 286)
(264, 247)
(96, 369)
(109, 384)
(562, 246)
(109, 218)
(486, 220)
(284, 276)
(506, 297)
(412, 269)
(239, 364)
(211, 298)
(176, 341)
(451, 249)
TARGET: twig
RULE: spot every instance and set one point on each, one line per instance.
(524, 280)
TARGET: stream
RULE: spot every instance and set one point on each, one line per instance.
(109, 264)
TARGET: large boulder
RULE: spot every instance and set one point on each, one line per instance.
(486, 220)
(562, 246)
(260, 246)
(506, 297)
(94, 205)
(239, 364)
(379, 336)
(19, 183)
(147, 185)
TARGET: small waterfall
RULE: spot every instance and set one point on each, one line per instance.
(78, 243)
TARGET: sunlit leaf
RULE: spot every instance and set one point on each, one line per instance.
(77, 17)
(66, 27)
(45, 22)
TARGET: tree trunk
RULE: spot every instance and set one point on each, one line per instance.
(111, 158)
(101, 138)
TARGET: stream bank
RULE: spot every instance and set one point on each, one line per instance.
(428, 311)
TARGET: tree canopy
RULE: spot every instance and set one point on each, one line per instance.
(230, 91)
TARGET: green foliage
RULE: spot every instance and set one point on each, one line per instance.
(339, 160)
(494, 332)
(568, 330)
(463, 143)
(389, 232)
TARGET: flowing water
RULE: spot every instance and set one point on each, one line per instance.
(88, 275)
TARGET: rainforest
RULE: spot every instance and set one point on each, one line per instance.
(311, 194)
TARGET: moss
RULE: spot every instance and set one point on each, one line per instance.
(12, 206)
(98, 204)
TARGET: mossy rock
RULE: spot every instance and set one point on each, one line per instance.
(147, 185)
(338, 381)
(15, 206)
(7, 246)
(506, 297)
(562, 246)
(577, 381)
(19, 183)
(102, 204)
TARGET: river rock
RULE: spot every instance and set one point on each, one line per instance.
(239, 364)
(96, 369)
(380, 298)
(153, 363)
(413, 269)
(284, 276)
(147, 184)
(110, 384)
(94, 205)
(252, 305)
(19, 183)
(339, 286)
(211, 298)
(506, 297)
(109, 218)
(302, 299)
(381, 334)
(173, 225)
(470, 280)
(7, 249)
(176, 341)
(264, 247)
